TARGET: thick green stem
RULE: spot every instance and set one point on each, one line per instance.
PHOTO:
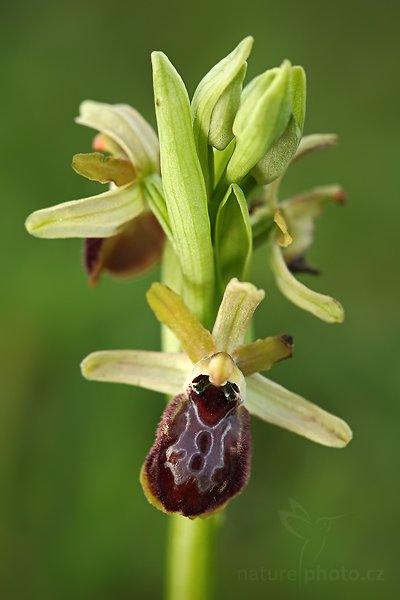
(190, 558)
(191, 542)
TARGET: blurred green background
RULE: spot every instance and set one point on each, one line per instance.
(74, 522)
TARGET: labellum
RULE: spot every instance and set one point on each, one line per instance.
(201, 455)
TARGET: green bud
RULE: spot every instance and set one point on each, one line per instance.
(216, 101)
(279, 156)
(261, 119)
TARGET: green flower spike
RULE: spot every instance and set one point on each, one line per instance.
(122, 235)
(210, 362)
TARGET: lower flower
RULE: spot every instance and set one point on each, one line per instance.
(201, 455)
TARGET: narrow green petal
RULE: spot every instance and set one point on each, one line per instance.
(261, 355)
(169, 308)
(159, 371)
(183, 182)
(233, 237)
(315, 141)
(104, 169)
(97, 216)
(125, 126)
(275, 404)
(324, 307)
(235, 313)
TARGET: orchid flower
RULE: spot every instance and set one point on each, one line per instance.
(122, 236)
(201, 456)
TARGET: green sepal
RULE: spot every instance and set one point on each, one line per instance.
(183, 183)
(163, 372)
(97, 216)
(274, 404)
(233, 237)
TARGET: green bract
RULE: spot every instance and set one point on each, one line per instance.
(183, 182)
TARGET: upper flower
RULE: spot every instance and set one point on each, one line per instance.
(122, 235)
(223, 361)
(223, 155)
